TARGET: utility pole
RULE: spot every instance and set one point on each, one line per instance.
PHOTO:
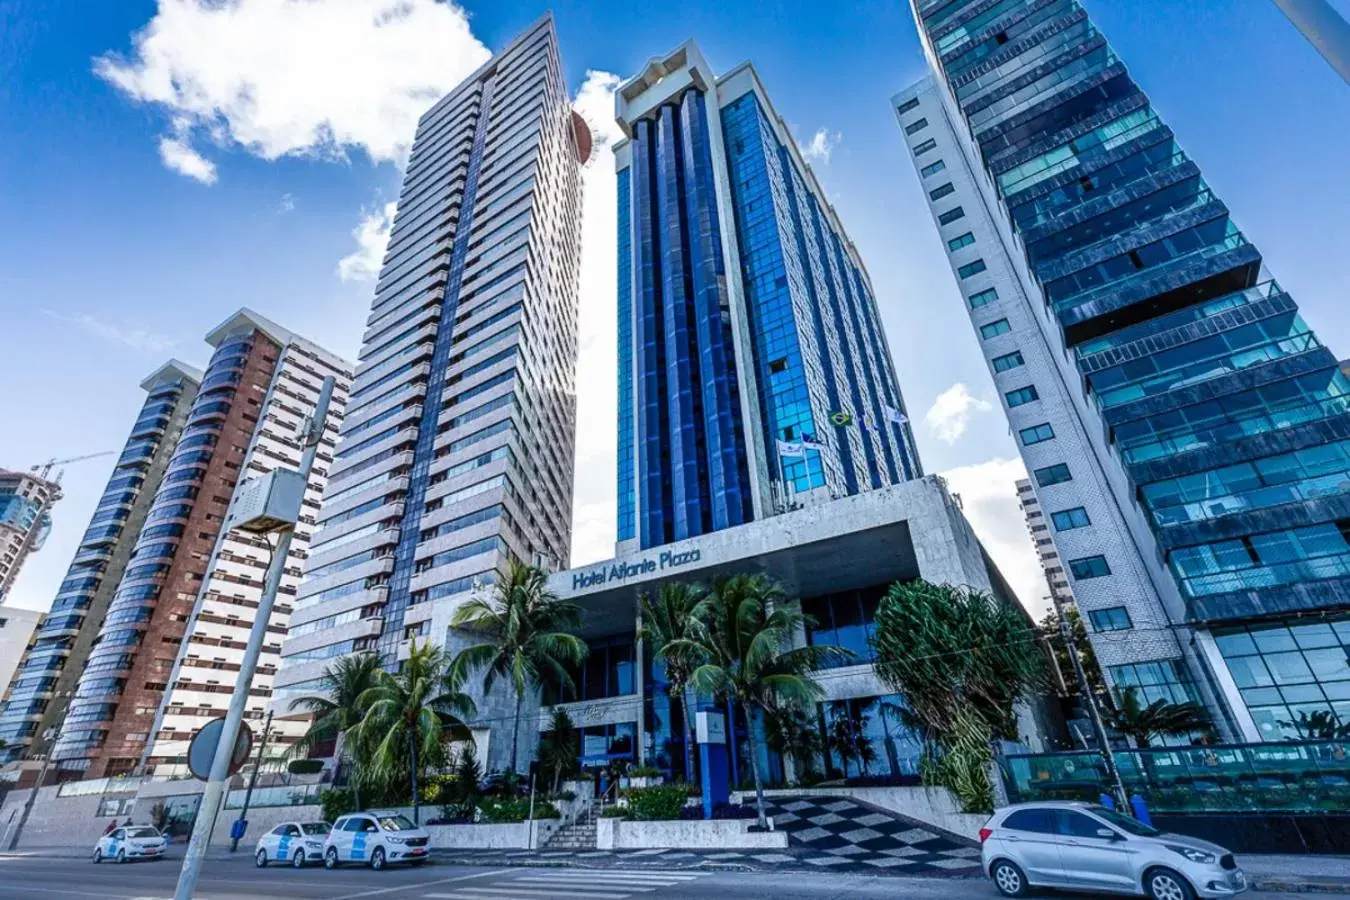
(220, 764)
(1103, 745)
(253, 778)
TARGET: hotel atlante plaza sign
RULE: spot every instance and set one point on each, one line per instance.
(619, 571)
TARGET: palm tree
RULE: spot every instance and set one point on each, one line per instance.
(335, 709)
(665, 622)
(528, 630)
(1158, 719)
(1320, 725)
(790, 732)
(414, 713)
(847, 735)
(743, 630)
(559, 747)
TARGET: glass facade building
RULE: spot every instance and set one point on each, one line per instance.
(1204, 425)
(64, 640)
(754, 374)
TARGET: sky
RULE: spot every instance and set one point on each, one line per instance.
(165, 163)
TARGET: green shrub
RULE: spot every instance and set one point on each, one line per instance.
(615, 812)
(505, 810)
(305, 766)
(659, 803)
(644, 772)
(336, 802)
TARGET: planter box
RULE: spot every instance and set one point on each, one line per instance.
(512, 836)
(730, 834)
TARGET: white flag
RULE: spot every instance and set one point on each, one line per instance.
(791, 448)
(896, 415)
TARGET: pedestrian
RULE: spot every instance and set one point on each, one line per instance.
(112, 826)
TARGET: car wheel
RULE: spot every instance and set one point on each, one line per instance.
(98, 855)
(260, 858)
(330, 860)
(121, 856)
(299, 859)
(1165, 884)
(377, 859)
(1008, 878)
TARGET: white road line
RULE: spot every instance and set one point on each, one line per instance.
(630, 877)
(410, 887)
(480, 893)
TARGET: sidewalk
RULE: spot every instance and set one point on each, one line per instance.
(1311, 874)
(172, 852)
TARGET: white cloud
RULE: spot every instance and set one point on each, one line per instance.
(285, 204)
(821, 145)
(179, 156)
(127, 336)
(594, 503)
(989, 496)
(951, 412)
(284, 78)
(372, 238)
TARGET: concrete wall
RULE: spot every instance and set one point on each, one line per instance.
(621, 834)
(932, 806)
(53, 821)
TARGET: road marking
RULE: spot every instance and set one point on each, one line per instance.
(637, 877)
(480, 893)
(414, 886)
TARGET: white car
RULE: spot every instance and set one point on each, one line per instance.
(375, 837)
(294, 842)
(130, 842)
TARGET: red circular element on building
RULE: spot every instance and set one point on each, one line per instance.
(582, 132)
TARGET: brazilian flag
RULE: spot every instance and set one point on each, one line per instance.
(840, 418)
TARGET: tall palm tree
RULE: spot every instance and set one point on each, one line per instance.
(336, 710)
(666, 620)
(743, 635)
(410, 715)
(528, 631)
(790, 732)
(1158, 719)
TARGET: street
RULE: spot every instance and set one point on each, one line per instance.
(237, 879)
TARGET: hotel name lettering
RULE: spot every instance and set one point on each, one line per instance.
(667, 559)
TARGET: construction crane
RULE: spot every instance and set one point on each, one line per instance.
(47, 467)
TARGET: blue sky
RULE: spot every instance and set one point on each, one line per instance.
(111, 261)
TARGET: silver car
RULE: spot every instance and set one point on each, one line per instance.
(1080, 846)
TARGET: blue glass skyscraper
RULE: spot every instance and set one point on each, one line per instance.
(1187, 434)
(754, 374)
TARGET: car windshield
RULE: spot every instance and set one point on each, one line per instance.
(396, 823)
(145, 831)
(1124, 823)
(315, 827)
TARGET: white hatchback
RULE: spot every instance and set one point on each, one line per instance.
(130, 842)
(375, 838)
(294, 842)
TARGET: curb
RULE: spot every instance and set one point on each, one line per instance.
(1309, 886)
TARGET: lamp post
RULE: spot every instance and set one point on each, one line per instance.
(273, 506)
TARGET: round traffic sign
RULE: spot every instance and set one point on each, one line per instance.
(202, 750)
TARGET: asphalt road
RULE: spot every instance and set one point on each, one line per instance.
(236, 879)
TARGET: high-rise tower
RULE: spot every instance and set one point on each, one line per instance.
(1187, 434)
(25, 521)
(175, 630)
(63, 642)
(754, 375)
(457, 452)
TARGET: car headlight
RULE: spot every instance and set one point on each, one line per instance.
(314, 845)
(1194, 855)
(396, 840)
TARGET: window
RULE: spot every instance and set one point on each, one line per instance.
(1008, 361)
(925, 147)
(908, 106)
(1040, 821)
(964, 240)
(932, 168)
(1113, 618)
(1056, 474)
(1022, 395)
(994, 329)
(916, 126)
(951, 215)
(1068, 519)
(983, 298)
(1089, 567)
(1075, 824)
(970, 269)
(941, 191)
(1036, 434)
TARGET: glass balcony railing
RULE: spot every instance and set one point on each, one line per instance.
(1274, 575)
(1260, 498)
(1297, 777)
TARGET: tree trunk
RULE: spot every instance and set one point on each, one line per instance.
(412, 753)
(754, 765)
(515, 733)
(687, 715)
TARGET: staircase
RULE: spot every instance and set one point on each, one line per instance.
(580, 835)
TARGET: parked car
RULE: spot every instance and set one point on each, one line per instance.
(1081, 846)
(376, 838)
(296, 842)
(130, 842)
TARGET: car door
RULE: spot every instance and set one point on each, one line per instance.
(363, 829)
(288, 836)
(340, 839)
(114, 841)
(1030, 838)
(1091, 859)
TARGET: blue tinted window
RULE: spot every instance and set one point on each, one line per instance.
(951, 215)
(908, 106)
(1008, 361)
(1036, 434)
(1089, 567)
(925, 147)
(916, 126)
(983, 298)
(964, 240)
(994, 329)
(941, 191)
(1067, 519)
(1115, 618)
(1022, 395)
(970, 269)
(1055, 474)
(932, 168)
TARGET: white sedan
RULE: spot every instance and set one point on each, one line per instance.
(130, 842)
(294, 842)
